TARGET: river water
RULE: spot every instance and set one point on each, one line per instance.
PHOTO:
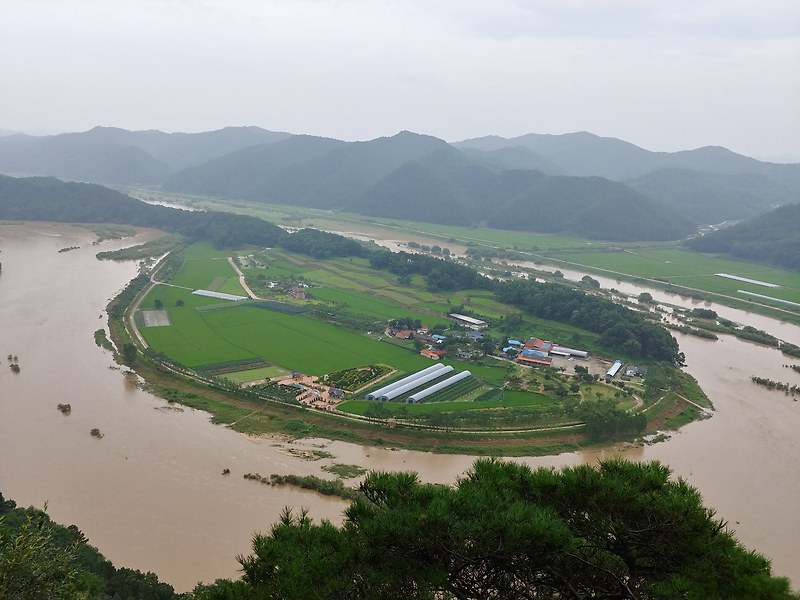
(150, 493)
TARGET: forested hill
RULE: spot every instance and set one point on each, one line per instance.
(591, 207)
(526, 183)
(49, 199)
(772, 238)
(417, 177)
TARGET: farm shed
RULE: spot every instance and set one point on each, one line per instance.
(467, 321)
(615, 368)
(416, 397)
(564, 351)
(524, 360)
(219, 295)
(387, 388)
(392, 394)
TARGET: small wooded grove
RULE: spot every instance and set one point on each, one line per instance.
(619, 327)
(617, 531)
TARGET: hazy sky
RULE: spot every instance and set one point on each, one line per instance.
(666, 75)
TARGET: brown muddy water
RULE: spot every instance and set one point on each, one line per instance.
(150, 493)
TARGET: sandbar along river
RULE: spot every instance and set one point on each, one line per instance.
(151, 495)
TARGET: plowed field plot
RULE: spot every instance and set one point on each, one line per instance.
(155, 318)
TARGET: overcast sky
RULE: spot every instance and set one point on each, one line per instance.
(665, 75)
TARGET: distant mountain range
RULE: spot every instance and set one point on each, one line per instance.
(576, 183)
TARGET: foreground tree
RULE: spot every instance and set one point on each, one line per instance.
(621, 530)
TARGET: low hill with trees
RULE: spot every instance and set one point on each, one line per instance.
(591, 207)
(773, 238)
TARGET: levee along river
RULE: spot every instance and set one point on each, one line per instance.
(151, 494)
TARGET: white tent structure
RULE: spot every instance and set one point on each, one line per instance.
(392, 386)
(438, 387)
(412, 385)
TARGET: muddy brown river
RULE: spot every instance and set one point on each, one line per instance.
(151, 495)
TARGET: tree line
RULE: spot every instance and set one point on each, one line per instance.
(439, 274)
(619, 327)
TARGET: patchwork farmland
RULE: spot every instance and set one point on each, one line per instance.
(316, 318)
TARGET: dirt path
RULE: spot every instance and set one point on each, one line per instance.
(242, 282)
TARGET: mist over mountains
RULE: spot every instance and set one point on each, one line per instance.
(576, 183)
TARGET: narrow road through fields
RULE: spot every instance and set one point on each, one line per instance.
(242, 282)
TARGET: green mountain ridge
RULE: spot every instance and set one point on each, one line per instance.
(773, 238)
(420, 177)
(592, 207)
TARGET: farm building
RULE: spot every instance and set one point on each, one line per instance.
(219, 295)
(412, 385)
(417, 396)
(534, 357)
(429, 354)
(537, 344)
(404, 334)
(387, 388)
(525, 360)
(615, 368)
(466, 321)
(516, 343)
(564, 351)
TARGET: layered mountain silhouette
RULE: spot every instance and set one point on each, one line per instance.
(577, 183)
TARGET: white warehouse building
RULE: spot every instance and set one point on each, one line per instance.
(467, 321)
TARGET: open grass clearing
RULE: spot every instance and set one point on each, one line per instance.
(257, 374)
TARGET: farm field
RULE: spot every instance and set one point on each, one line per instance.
(391, 228)
(691, 269)
(205, 267)
(206, 331)
(294, 342)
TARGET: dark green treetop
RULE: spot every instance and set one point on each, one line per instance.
(621, 530)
